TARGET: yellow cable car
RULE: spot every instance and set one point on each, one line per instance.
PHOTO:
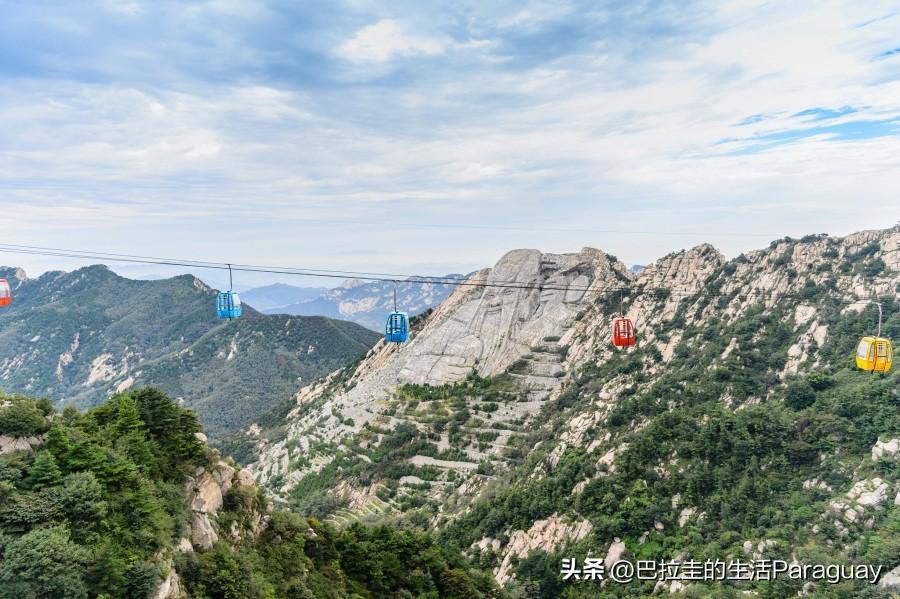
(875, 354)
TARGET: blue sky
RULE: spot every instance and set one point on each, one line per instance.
(432, 137)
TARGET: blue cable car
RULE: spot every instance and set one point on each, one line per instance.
(396, 329)
(228, 305)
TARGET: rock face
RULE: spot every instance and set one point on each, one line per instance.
(170, 588)
(886, 450)
(205, 495)
(544, 535)
(13, 444)
(891, 580)
(491, 329)
(481, 329)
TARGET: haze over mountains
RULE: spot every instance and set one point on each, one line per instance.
(737, 428)
(362, 302)
(78, 337)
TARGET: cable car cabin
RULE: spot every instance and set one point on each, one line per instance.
(228, 305)
(5, 293)
(874, 354)
(396, 330)
(623, 332)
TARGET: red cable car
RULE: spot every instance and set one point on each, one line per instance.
(622, 332)
(5, 293)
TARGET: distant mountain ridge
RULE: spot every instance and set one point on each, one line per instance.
(80, 336)
(363, 302)
(271, 298)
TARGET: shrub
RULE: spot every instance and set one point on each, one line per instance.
(22, 418)
(799, 395)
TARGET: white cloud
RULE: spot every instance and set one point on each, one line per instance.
(386, 39)
(595, 137)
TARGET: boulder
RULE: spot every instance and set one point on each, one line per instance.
(245, 478)
(891, 580)
(885, 449)
(224, 474)
(13, 444)
(869, 492)
(202, 532)
(169, 588)
(207, 495)
(614, 553)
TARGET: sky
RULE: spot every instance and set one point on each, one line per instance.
(431, 137)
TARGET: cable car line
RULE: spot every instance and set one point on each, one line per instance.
(874, 354)
(416, 279)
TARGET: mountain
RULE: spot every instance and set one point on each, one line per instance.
(738, 428)
(80, 336)
(367, 303)
(127, 501)
(271, 298)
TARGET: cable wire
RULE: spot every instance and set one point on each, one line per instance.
(414, 279)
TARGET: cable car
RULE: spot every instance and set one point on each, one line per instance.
(396, 329)
(875, 354)
(228, 305)
(5, 294)
(622, 332)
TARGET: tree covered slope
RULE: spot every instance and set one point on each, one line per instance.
(80, 336)
(114, 502)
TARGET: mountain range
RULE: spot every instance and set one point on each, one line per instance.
(80, 336)
(738, 427)
(362, 302)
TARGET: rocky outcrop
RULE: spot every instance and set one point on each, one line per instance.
(525, 317)
(856, 506)
(890, 580)
(13, 444)
(170, 588)
(886, 450)
(205, 492)
(544, 535)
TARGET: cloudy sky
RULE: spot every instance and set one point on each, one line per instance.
(431, 137)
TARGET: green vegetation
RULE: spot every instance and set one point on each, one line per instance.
(95, 510)
(296, 557)
(86, 514)
(741, 471)
(78, 337)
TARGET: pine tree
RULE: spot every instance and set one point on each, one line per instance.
(44, 471)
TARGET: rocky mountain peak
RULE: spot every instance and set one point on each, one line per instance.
(15, 275)
(351, 283)
(683, 269)
(520, 323)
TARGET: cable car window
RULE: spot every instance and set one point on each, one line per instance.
(863, 350)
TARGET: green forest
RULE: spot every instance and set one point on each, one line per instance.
(97, 508)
